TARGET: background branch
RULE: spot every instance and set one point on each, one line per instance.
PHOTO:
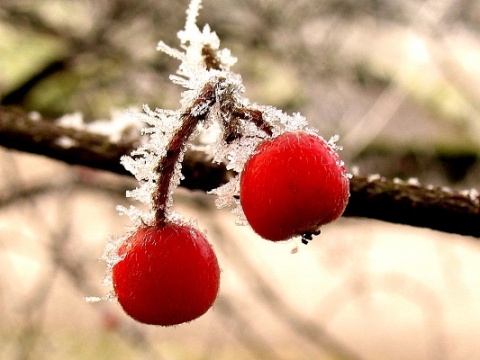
(409, 203)
(21, 132)
(372, 197)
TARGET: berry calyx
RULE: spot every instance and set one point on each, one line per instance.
(292, 185)
(167, 275)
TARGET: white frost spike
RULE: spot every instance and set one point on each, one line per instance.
(332, 142)
(413, 182)
(74, 120)
(474, 195)
(93, 299)
(176, 54)
(191, 22)
(226, 194)
(121, 124)
(137, 216)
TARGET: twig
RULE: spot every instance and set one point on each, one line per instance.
(176, 145)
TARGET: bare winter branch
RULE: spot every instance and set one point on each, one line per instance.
(374, 197)
(412, 204)
(21, 132)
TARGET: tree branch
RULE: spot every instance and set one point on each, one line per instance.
(374, 197)
(409, 203)
(21, 132)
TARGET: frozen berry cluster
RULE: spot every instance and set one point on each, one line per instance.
(290, 182)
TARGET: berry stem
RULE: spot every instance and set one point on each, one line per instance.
(256, 117)
(210, 58)
(231, 112)
(198, 111)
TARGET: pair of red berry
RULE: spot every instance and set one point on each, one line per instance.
(291, 186)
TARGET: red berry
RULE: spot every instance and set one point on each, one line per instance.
(167, 275)
(292, 185)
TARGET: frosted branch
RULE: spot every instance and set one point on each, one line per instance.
(24, 132)
(375, 197)
(409, 203)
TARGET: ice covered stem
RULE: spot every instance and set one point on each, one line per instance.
(198, 111)
(232, 112)
(231, 116)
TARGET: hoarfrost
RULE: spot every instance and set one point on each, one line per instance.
(374, 177)
(159, 126)
(209, 135)
(142, 193)
(241, 220)
(237, 153)
(121, 124)
(93, 299)
(34, 116)
(66, 142)
(111, 257)
(227, 194)
(176, 54)
(193, 73)
(332, 142)
(162, 124)
(398, 181)
(474, 196)
(283, 122)
(355, 171)
(137, 216)
(446, 190)
(413, 182)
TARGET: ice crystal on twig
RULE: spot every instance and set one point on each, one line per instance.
(120, 126)
(228, 127)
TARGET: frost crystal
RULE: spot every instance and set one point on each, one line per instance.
(66, 142)
(121, 124)
(474, 195)
(413, 182)
(34, 116)
(204, 65)
(93, 299)
(227, 194)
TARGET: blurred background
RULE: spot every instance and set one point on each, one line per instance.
(399, 81)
